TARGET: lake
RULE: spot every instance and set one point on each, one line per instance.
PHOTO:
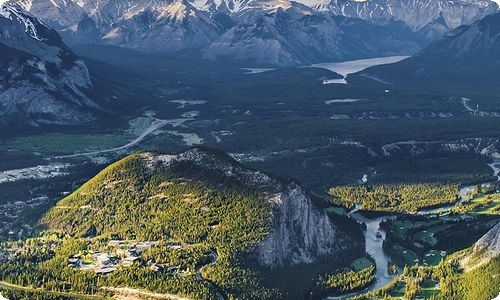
(352, 66)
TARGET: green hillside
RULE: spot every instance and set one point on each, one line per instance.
(202, 223)
(183, 202)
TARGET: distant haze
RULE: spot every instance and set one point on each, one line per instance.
(2, 1)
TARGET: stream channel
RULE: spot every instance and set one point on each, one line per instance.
(375, 236)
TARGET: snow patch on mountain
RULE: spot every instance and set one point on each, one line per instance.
(30, 28)
(176, 11)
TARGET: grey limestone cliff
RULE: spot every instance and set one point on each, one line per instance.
(300, 233)
(490, 242)
(486, 248)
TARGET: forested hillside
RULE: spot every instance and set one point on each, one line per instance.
(195, 224)
(144, 197)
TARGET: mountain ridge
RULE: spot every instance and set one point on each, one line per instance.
(203, 199)
(216, 27)
(466, 56)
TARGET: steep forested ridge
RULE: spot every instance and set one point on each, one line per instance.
(130, 200)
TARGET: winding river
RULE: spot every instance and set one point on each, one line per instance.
(375, 236)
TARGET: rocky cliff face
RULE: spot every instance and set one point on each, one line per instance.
(486, 248)
(41, 80)
(300, 232)
(490, 242)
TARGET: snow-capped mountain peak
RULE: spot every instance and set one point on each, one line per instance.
(214, 25)
(176, 11)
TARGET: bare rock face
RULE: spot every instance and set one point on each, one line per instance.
(489, 243)
(41, 80)
(300, 232)
(486, 248)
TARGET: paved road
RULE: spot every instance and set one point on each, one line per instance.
(215, 257)
(156, 124)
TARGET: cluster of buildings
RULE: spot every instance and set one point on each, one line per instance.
(10, 214)
(125, 254)
(13, 211)
(38, 172)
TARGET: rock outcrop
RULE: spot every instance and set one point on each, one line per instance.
(486, 248)
(41, 80)
(300, 233)
(490, 242)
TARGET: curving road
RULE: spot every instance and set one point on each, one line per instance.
(156, 124)
(214, 259)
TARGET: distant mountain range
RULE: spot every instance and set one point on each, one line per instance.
(41, 80)
(468, 54)
(272, 32)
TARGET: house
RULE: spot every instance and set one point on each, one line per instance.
(130, 260)
(172, 269)
(74, 261)
(104, 271)
(131, 252)
(102, 258)
(141, 246)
